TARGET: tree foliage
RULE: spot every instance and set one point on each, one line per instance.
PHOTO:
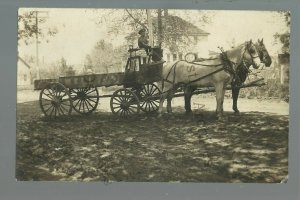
(284, 38)
(104, 58)
(101, 57)
(28, 27)
(171, 33)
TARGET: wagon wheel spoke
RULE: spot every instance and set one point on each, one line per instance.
(148, 94)
(80, 104)
(88, 103)
(85, 100)
(124, 103)
(63, 107)
(49, 96)
(54, 98)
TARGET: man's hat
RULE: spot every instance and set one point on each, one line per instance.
(142, 30)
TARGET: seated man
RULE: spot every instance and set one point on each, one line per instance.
(143, 41)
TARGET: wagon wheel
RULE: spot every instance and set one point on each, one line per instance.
(55, 100)
(124, 103)
(149, 97)
(85, 100)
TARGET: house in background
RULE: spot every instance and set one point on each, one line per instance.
(24, 76)
(180, 38)
(184, 38)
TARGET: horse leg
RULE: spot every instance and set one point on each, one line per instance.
(163, 96)
(188, 92)
(235, 96)
(220, 92)
(169, 100)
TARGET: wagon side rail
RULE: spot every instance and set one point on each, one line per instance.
(42, 83)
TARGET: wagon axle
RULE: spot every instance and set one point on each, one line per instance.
(124, 105)
(56, 101)
(81, 95)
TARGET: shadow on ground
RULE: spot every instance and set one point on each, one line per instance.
(250, 147)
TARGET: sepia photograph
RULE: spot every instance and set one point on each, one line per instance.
(152, 95)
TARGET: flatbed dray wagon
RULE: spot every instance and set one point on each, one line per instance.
(60, 96)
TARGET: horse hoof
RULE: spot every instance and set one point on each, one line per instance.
(169, 111)
(159, 115)
(236, 112)
(188, 112)
(220, 117)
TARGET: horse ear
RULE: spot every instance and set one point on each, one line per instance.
(261, 40)
(250, 41)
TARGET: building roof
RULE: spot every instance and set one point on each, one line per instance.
(174, 25)
(24, 62)
(180, 25)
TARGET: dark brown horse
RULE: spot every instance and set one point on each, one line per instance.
(242, 72)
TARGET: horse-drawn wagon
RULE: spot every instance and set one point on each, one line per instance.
(61, 96)
(140, 91)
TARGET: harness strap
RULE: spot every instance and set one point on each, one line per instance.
(205, 64)
(174, 73)
(228, 67)
(202, 77)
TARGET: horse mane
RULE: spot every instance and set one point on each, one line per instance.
(240, 50)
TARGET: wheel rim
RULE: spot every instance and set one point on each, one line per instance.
(124, 103)
(55, 100)
(85, 100)
(148, 101)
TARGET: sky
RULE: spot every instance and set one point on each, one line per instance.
(78, 32)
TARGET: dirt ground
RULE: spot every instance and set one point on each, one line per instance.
(250, 147)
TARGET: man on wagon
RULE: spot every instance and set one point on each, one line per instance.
(143, 41)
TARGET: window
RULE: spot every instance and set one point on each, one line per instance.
(168, 57)
(174, 57)
(180, 56)
(25, 77)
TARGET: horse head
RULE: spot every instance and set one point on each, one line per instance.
(251, 56)
(263, 53)
(245, 54)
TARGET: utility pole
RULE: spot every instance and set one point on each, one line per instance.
(37, 44)
(37, 17)
(150, 28)
(159, 27)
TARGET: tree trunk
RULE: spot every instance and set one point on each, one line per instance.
(150, 27)
(159, 27)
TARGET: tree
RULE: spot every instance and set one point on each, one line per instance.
(88, 63)
(284, 38)
(284, 57)
(168, 32)
(28, 27)
(63, 68)
(102, 57)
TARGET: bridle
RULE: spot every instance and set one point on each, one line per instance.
(249, 46)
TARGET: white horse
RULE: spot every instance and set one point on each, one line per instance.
(214, 72)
